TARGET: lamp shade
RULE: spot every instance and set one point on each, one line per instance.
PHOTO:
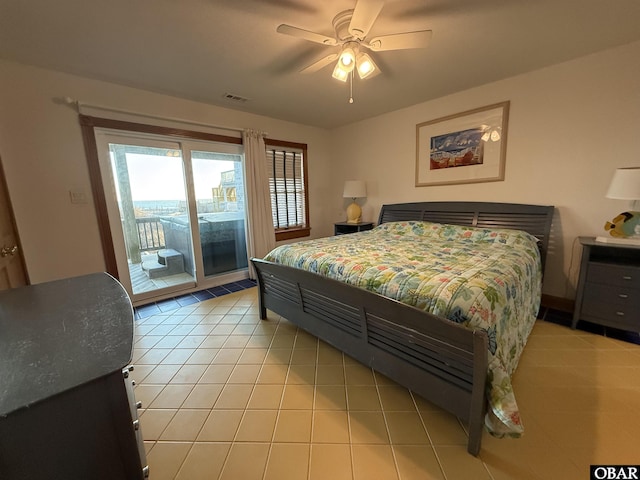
(366, 66)
(625, 184)
(340, 73)
(355, 189)
(347, 58)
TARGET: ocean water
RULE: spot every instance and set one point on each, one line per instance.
(160, 205)
(172, 207)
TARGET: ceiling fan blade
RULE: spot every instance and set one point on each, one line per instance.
(323, 62)
(305, 34)
(400, 41)
(364, 15)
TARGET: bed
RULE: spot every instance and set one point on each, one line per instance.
(393, 298)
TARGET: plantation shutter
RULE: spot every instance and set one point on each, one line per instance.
(287, 187)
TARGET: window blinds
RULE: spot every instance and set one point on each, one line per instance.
(286, 185)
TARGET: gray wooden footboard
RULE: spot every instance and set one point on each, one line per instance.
(435, 358)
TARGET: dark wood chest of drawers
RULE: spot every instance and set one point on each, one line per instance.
(609, 285)
(66, 412)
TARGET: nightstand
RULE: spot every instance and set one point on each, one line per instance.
(342, 228)
(609, 285)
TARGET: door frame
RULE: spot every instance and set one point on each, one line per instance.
(88, 124)
(20, 275)
(104, 138)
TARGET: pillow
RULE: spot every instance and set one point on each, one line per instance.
(408, 228)
(449, 232)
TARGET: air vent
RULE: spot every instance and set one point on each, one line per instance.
(235, 98)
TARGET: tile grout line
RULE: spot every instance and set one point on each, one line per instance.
(194, 385)
(231, 443)
(346, 400)
(284, 387)
(386, 423)
(391, 443)
(193, 443)
(431, 444)
(264, 360)
(313, 411)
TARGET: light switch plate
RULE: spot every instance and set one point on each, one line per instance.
(78, 196)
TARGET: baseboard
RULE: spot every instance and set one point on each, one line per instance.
(558, 303)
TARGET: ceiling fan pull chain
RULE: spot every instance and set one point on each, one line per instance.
(351, 88)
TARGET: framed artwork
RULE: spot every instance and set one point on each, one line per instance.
(467, 147)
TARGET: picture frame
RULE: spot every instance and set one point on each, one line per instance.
(466, 147)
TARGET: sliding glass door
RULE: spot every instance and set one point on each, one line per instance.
(220, 207)
(176, 212)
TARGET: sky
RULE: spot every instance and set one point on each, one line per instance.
(155, 177)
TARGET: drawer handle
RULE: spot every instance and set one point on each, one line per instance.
(627, 277)
(623, 295)
(620, 314)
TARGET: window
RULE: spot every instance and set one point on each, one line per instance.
(287, 170)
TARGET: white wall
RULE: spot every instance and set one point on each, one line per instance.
(43, 157)
(570, 126)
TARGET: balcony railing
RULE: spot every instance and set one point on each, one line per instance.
(150, 233)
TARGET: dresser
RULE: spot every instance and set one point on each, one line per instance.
(67, 407)
(608, 291)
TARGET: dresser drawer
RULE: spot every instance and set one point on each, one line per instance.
(612, 274)
(619, 316)
(612, 295)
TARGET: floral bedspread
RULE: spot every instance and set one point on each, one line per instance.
(480, 278)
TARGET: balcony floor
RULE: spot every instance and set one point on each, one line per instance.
(141, 283)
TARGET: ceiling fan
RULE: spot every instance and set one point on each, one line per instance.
(351, 29)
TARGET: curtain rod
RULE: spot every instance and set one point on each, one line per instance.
(72, 102)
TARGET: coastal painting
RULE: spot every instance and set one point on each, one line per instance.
(457, 149)
(466, 147)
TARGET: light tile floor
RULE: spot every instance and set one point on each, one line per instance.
(228, 396)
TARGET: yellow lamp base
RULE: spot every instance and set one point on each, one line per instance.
(354, 213)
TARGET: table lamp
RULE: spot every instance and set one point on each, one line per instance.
(354, 189)
(625, 227)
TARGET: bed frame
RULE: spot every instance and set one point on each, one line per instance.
(439, 360)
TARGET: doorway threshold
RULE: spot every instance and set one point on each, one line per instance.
(174, 303)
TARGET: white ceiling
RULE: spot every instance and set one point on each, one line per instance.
(202, 49)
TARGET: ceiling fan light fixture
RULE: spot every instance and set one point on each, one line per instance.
(348, 56)
(365, 66)
(340, 73)
(491, 133)
(352, 29)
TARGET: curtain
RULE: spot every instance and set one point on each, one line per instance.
(261, 237)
